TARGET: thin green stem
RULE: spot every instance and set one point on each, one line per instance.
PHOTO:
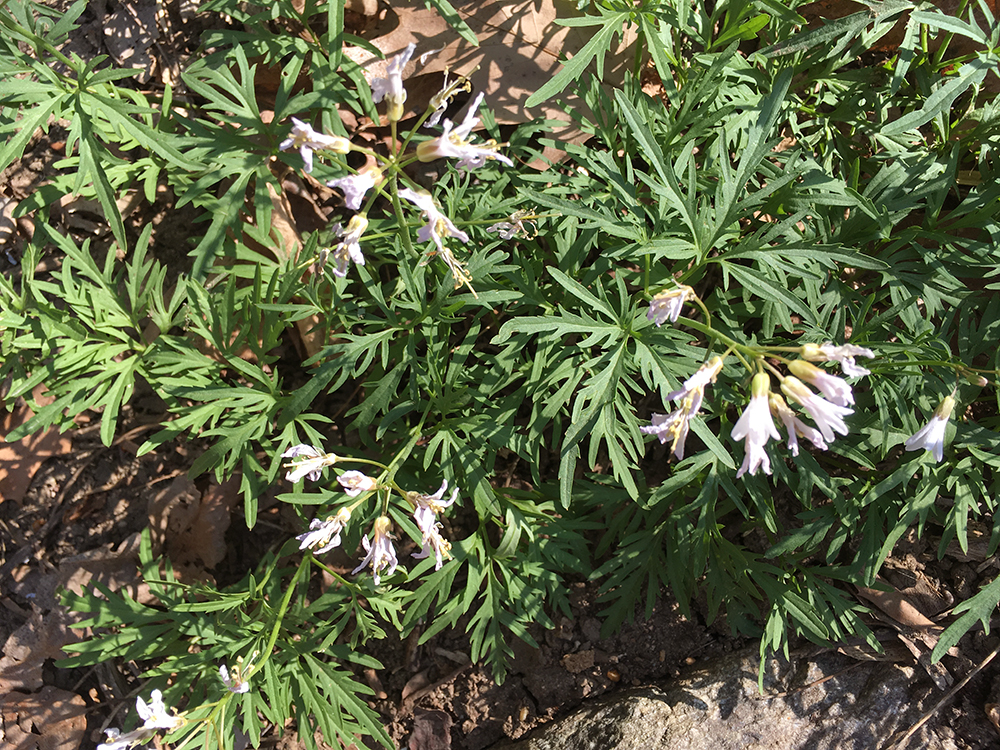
(282, 609)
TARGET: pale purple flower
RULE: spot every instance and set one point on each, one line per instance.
(323, 536)
(835, 389)
(235, 683)
(829, 418)
(756, 426)
(156, 715)
(391, 88)
(694, 386)
(349, 247)
(454, 143)
(845, 354)
(437, 223)
(930, 437)
(794, 426)
(439, 102)
(308, 462)
(307, 140)
(354, 483)
(667, 304)
(675, 426)
(381, 555)
(426, 510)
(119, 741)
(437, 227)
(356, 186)
(504, 229)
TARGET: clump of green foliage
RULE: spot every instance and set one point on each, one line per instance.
(804, 189)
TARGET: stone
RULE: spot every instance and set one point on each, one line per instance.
(823, 701)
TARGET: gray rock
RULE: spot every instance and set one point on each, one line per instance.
(718, 706)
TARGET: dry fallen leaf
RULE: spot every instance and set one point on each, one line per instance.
(519, 50)
(28, 647)
(130, 31)
(898, 607)
(993, 714)
(19, 461)
(190, 526)
(51, 719)
(431, 730)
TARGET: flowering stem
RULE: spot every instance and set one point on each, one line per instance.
(282, 609)
(397, 207)
(734, 347)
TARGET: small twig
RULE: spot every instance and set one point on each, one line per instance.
(814, 683)
(950, 694)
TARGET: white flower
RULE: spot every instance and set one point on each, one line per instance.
(437, 227)
(381, 554)
(349, 247)
(391, 88)
(156, 715)
(930, 437)
(835, 389)
(518, 225)
(119, 741)
(354, 483)
(844, 354)
(694, 386)
(667, 304)
(310, 462)
(675, 426)
(829, 418)
(440, 100)
(794, 426)
(307, 140)
(505, 229)
(323, 536)
(235, 684)
(355, 186)
(453, 143)
(437, 223)
(756, 426)
(425, 512)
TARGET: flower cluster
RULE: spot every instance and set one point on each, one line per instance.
(155, 716)
(755, 427)
(380, 555)
(455, 142)
(674, 426)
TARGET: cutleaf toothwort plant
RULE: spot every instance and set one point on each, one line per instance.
(729, 310)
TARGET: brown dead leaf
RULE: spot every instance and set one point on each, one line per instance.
(519, 50)
(51, 719)
(204, 540)
(921, 651)
(418, 682)
(28, 647)
(19, 461)
(129, 33)
(189, 526)
(115, 567)
(993, 714)
(431, 730)
(898, 607)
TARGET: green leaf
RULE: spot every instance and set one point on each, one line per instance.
(980, 607)
(449, 14)
(943, 97)
(599, 44)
